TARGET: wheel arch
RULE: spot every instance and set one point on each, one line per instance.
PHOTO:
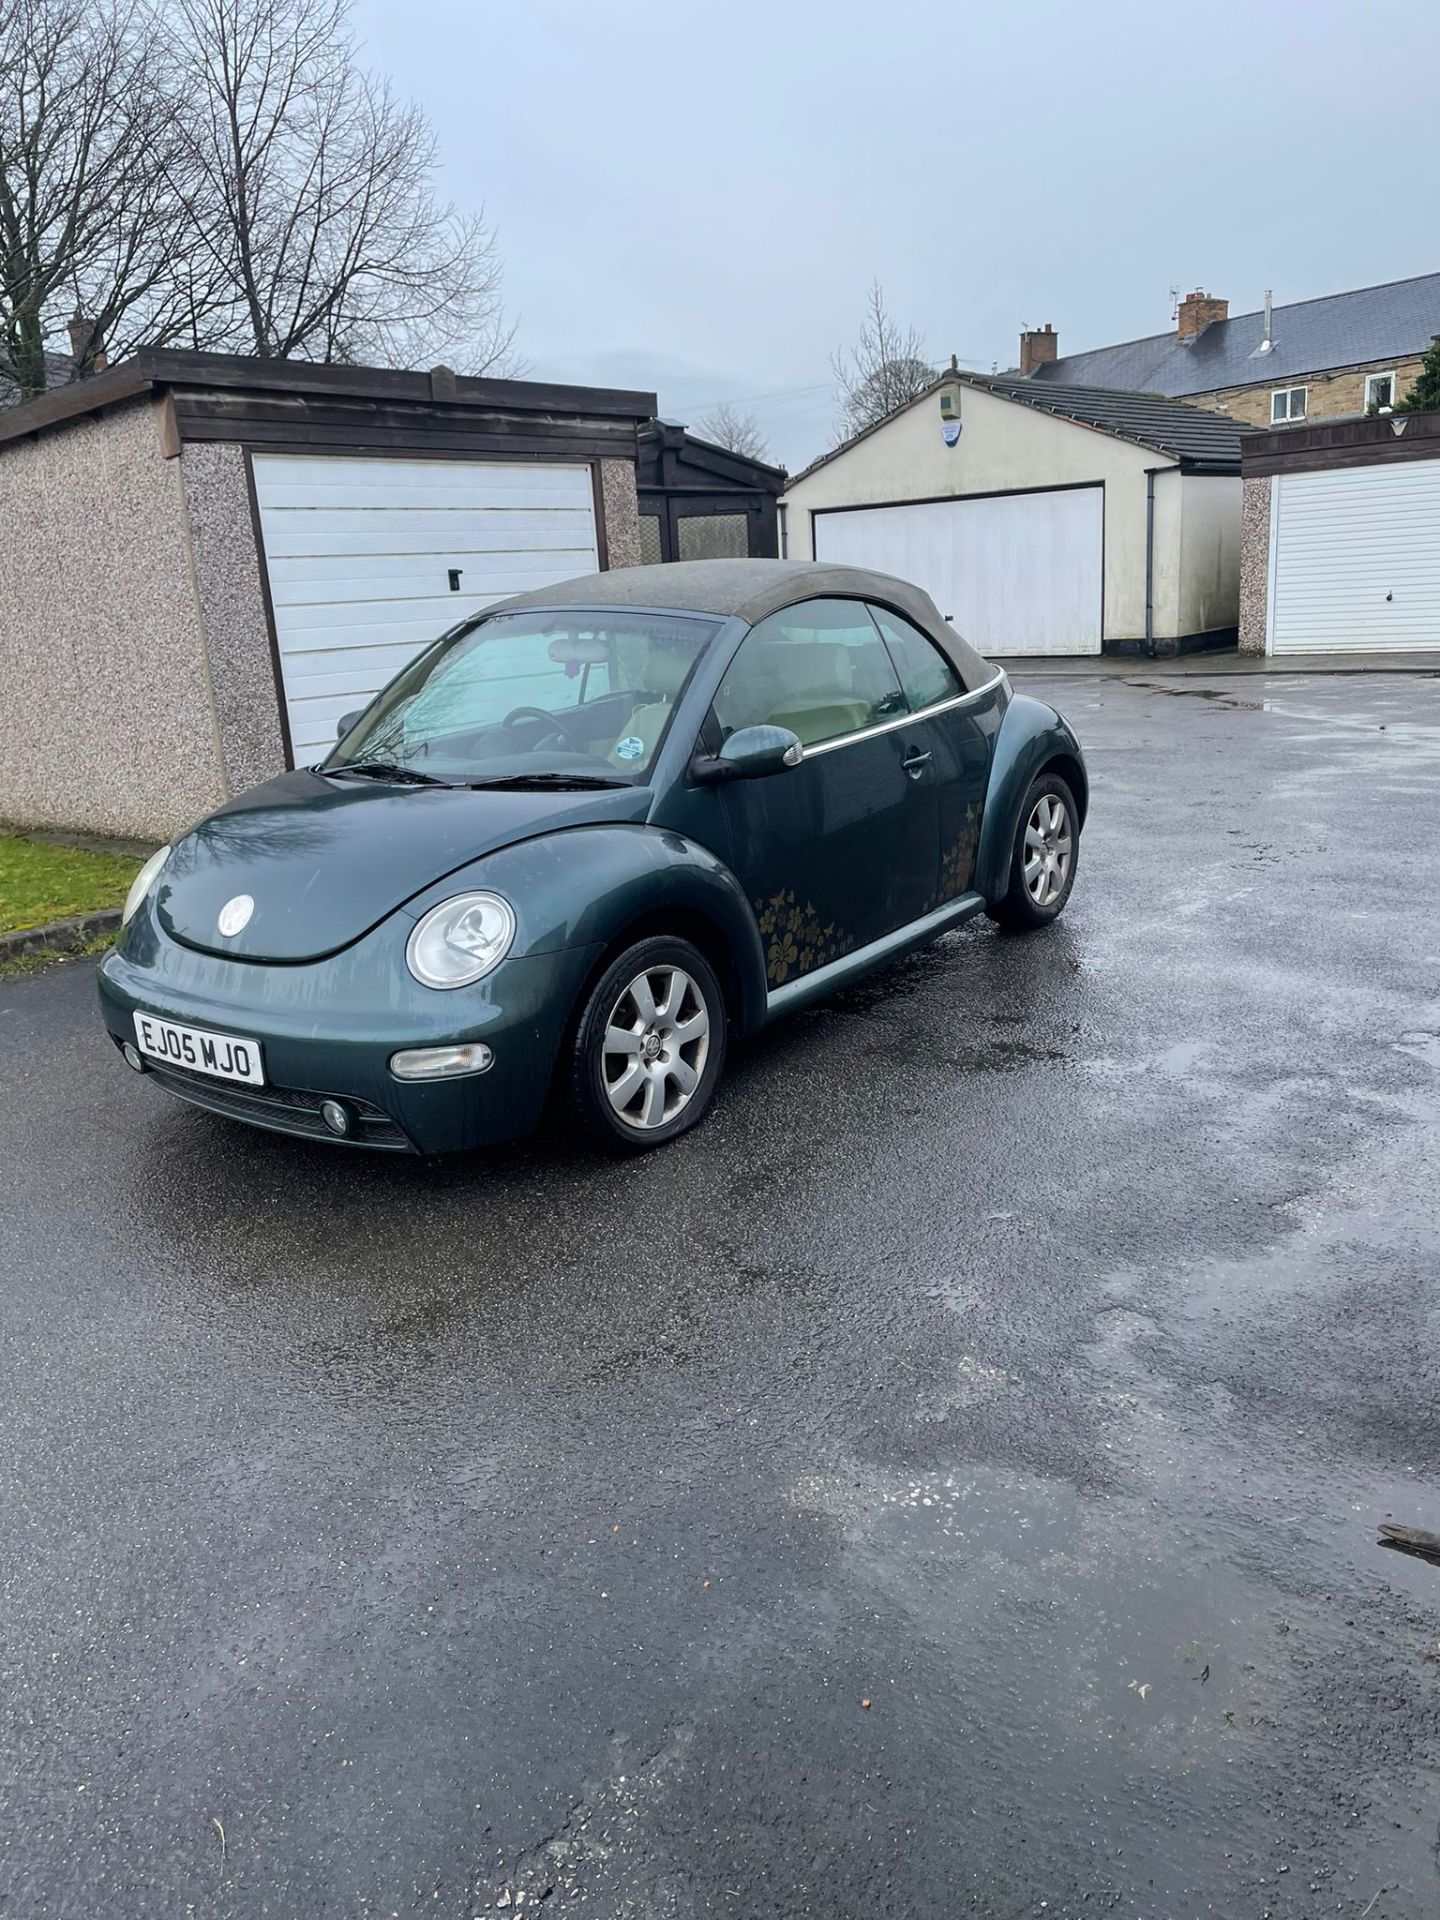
(600, 888)
(1071, 770)
(1032, 738)
(704, 933)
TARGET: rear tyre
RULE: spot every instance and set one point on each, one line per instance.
(649, 1047)
(1043, 858)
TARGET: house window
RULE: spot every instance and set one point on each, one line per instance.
(1379, 390)
(1287, 403)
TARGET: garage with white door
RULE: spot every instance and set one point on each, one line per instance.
(1342, 538)
(1043, 521)
(254, 547)
(1027, 567)
(369, 559)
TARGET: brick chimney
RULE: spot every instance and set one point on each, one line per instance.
(86, 339)
(1199, 310)
(1038, 348)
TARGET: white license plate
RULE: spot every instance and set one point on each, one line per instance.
(218, 1053)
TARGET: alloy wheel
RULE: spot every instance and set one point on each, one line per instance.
(656, 1041)
(1048, 846)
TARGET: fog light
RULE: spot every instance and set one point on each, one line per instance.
(440, 1063)
(336, 1116)
(132, 1057)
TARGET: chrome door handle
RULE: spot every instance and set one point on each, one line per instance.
(914, 762)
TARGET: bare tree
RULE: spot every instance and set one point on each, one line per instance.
(884, 369)
(726, 426)
(91, 177)
(314, 196)
(221, 173)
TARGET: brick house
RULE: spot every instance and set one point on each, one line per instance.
(1313, 360)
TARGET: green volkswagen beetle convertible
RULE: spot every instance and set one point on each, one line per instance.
(583, 841)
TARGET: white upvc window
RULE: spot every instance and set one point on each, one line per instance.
(1287, 403)
(1380, 390)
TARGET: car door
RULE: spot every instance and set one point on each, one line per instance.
(957, 726)
(844, 848)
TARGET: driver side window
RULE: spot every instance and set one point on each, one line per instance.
(820, 669)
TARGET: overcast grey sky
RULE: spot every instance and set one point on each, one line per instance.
(693, 198)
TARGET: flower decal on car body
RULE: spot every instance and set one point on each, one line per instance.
(796, 941)
(957, 867)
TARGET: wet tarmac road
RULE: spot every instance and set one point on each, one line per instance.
(1029, 1347)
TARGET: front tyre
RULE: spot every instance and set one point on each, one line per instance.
(1043, 858)
(649, 1047)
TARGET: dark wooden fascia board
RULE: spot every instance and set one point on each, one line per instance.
(235, 371)
(670, 457)
(295, 423)
(700, 491)
(736, 468)
(295, 382)
(1363, 454)
(73, 402)
(302, 437)
(1370, 441)
(394, 416)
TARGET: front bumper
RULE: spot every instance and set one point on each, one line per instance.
(327, 1029)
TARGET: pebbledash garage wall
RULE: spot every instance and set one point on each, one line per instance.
(142, 681)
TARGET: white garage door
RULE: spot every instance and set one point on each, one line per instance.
(359, 553)
(1355, 559)
(1014, 573)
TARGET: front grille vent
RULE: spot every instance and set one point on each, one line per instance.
(290, 1109)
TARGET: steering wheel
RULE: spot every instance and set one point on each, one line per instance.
(557, 723)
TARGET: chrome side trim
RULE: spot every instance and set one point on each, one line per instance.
(905, 719)
(814, 986)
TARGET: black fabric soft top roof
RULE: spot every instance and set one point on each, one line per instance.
(749, 590)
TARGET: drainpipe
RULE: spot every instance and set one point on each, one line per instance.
(1150, 473)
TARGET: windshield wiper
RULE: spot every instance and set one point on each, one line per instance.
(389, 770)
(559, 782)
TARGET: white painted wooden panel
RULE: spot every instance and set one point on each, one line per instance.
(336, 579)
(1355, 559)
(358, 553)
(308, 531)
(1015, 573)
(421, 483)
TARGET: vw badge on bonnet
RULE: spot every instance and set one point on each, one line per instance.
(235, 914)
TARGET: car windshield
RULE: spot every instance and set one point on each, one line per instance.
(545, 695)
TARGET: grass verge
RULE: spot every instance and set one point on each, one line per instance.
(45, 957)
(40, 882)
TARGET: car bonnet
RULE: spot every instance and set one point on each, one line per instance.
(321, 861)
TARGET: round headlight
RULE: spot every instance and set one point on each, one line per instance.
(142, 883)
(461, 940)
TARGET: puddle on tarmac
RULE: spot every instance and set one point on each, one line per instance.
(1219, 695)
(1421, 1046)
(1136, 1674)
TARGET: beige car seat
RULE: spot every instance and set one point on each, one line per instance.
(819, 689)
(665, 674)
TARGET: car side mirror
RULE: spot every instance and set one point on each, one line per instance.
(750, 753)
(346, 722)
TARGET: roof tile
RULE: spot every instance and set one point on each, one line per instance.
(1310, 336)
(1149, 419)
